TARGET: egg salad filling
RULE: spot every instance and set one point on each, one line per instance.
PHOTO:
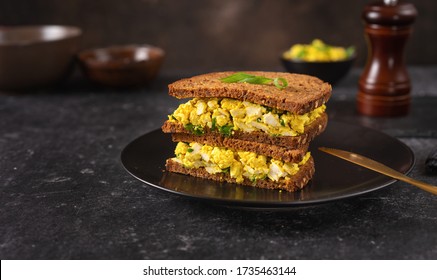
(226, 115)
(238, 164)
(318, 51)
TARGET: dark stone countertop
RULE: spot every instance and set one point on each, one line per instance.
(65, 195)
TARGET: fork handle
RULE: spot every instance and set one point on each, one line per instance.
(424, 186)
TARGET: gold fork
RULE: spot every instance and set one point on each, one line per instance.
(378, 167)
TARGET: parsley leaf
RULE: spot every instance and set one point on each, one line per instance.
(226, 130)
(214, 123)
(195, 129)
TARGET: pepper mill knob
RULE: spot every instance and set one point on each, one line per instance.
(384, 86)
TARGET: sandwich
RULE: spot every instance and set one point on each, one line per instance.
(251, 128)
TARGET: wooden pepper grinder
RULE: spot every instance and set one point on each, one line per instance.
(384, 85)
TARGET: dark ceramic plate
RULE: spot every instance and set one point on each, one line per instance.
(144, 158)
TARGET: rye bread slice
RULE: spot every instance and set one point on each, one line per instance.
(298, 181)
(276, 152)
(290, 142)
(303, 93)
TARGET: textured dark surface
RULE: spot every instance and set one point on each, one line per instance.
(65, 195)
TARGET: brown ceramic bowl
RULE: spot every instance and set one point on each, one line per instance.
(36, 56)
(122, 66)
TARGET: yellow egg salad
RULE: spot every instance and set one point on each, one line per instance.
(226, 115)
(238, 164)
(318, 51)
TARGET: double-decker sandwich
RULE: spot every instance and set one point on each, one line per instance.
(250, 128)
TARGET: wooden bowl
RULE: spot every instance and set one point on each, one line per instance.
(122, 66)
(36, 56)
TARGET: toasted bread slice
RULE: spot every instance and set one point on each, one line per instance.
(276, 152)
(290, 142)
(303, 93)
(297, 182)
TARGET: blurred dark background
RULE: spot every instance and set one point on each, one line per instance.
(202, 35)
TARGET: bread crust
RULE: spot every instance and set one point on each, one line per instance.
(298, 181)
(290, 142)
(303, 93)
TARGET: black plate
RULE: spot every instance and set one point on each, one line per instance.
(144, 158)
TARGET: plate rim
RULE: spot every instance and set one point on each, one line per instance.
(267, 204)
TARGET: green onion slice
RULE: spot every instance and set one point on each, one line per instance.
(241, 77)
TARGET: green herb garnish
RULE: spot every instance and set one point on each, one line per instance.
(301, 54)
(190, 150)
(350, 51)
(195, 129)
(226, 170)
(241, 77)
(254, 179)
(282, 122)
(214, 123)
(226, 130)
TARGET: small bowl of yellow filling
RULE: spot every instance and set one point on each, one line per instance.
(327, 62)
